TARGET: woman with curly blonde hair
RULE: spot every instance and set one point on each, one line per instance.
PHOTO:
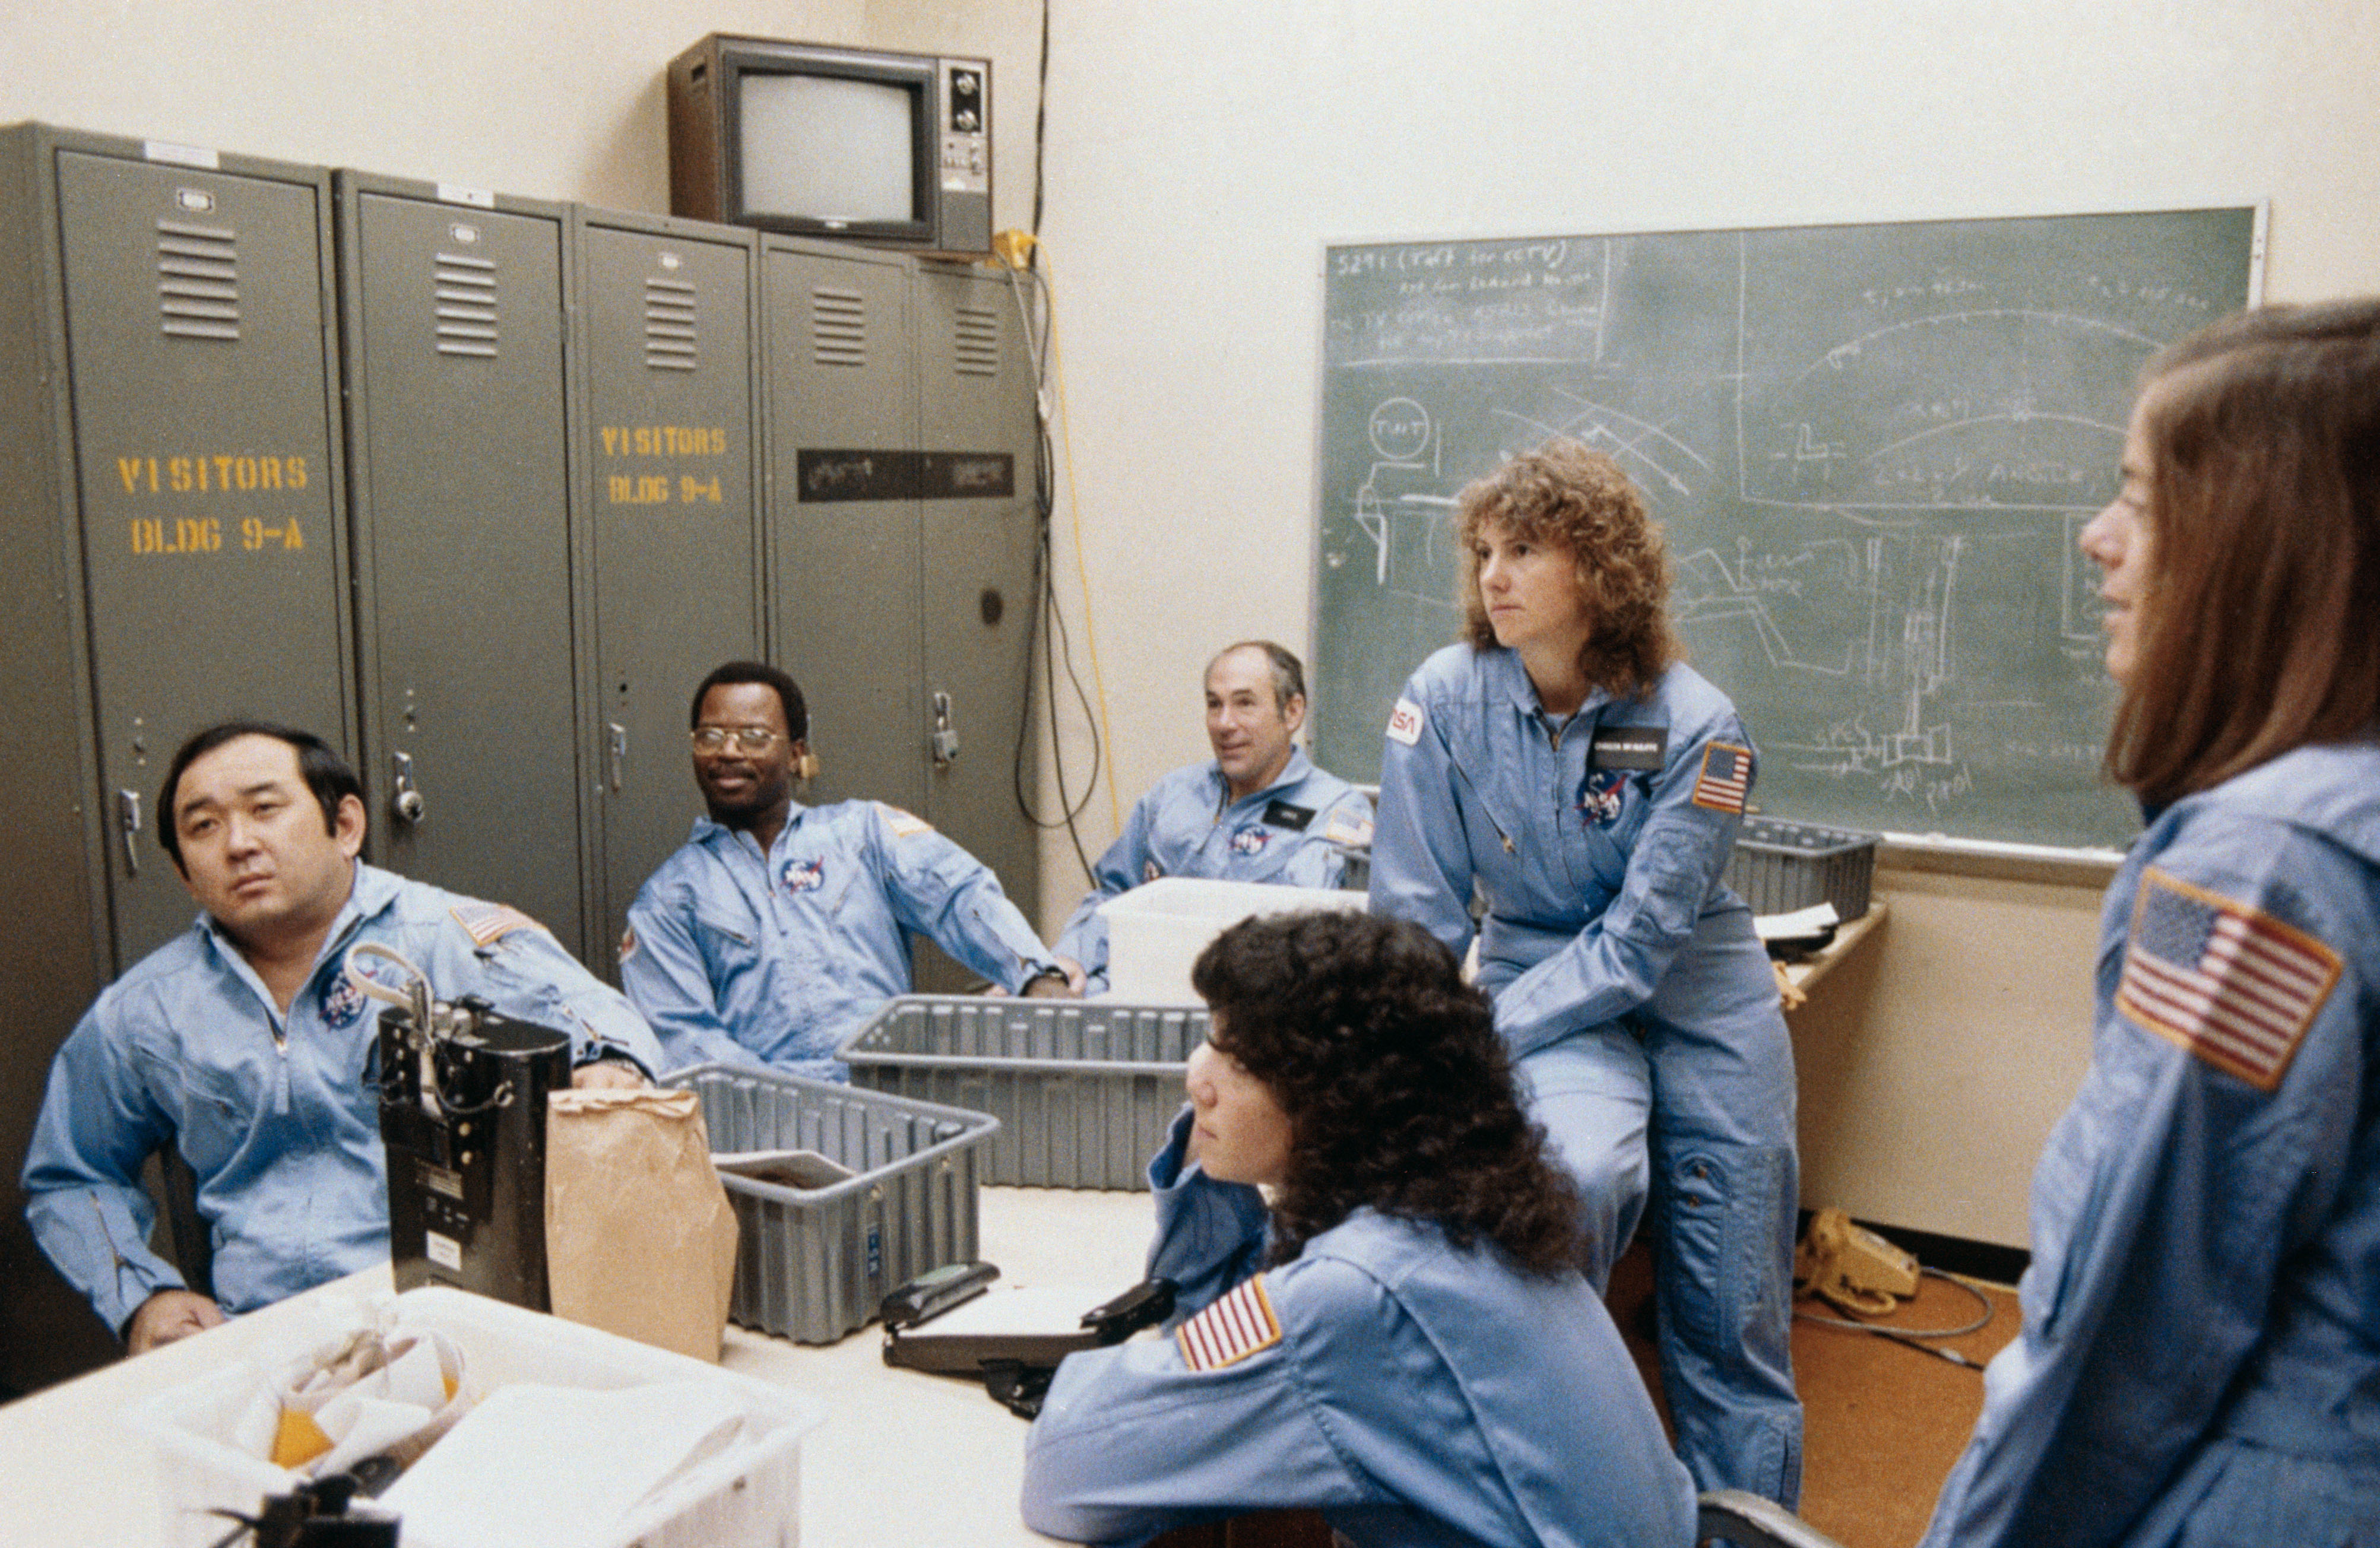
(1563, 765)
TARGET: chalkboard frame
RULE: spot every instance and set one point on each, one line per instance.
(1337, 717)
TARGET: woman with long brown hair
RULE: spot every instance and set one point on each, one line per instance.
(2201, 1355)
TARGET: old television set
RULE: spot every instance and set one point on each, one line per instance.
(861, 145)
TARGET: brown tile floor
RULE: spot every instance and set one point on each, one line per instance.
(1883, 1422)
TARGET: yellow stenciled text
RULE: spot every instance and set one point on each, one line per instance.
(213, 473)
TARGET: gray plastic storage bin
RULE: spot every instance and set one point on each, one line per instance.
(1781, 866)
(1084, 1089)
(812, 1264)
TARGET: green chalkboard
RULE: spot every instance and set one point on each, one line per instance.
(1871, 446)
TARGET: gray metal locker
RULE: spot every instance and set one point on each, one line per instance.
(454, 305)
(975, 414)
(668, 458)
(166, 434)
(839, 385)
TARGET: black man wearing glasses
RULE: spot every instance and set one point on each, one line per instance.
(779, 929)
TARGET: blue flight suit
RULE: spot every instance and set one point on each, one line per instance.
(271, 1110)
(1296, 831)
(2200, 1361)
(1633, 995)
(772, 961)
(1417, 1394)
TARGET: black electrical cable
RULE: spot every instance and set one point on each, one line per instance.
(1055, 642)
(1910, 1336)
(1040, 128)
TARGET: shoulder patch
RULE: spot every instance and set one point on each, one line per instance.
(2226, 982)
(628, 943)
(490, 922)
(905, 825)
(1229, 1331)
(1404, 722)
(1724, 782)
(1345, 827)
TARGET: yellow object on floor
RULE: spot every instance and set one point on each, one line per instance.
(1851, 1267)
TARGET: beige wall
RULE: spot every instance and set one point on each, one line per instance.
(1934, 1060)
(1199, 156)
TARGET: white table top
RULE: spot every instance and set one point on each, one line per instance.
(903, 1459)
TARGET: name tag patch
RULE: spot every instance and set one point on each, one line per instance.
(1281, 813)
(1638, 749)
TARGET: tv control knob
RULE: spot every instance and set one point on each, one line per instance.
(963, 83)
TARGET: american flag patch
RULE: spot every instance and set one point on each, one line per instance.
(1345, 830)
(905, 825)
(1226, 1333)
(1724, 782)
(2229, 983)
(490, 922)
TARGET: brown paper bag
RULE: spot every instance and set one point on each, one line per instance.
(640, 1237)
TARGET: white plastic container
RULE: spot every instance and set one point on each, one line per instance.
(1157, 930)
(746, 1496)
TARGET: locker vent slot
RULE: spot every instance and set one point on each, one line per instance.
(465, 294)
(838, 326)
(977, 341)
(198, 281)
(669, 325)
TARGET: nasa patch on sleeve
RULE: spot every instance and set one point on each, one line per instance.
(1404, 722)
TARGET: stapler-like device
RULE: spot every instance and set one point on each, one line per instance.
(463, 1094)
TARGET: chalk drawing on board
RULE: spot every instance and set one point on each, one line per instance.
(1399, 506)
(1649, 453)
(1872, 449)
(1994, 408)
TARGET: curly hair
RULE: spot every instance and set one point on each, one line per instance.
(1397, 1088)
(1564, 494)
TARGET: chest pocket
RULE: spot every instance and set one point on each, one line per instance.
(723, 946)
(215, 1105)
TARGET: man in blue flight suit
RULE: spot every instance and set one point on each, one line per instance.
(779, 929)
(1258, 811)
(243, 1044)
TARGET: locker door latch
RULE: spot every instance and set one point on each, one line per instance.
(128, 811)
(406, 799)
(619, 749)
(946, 736)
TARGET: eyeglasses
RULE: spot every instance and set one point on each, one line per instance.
(747, 739)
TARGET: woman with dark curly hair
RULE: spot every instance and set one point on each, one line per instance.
(1565, 765)
(1402, 1340)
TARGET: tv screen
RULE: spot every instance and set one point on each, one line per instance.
(829, 148)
